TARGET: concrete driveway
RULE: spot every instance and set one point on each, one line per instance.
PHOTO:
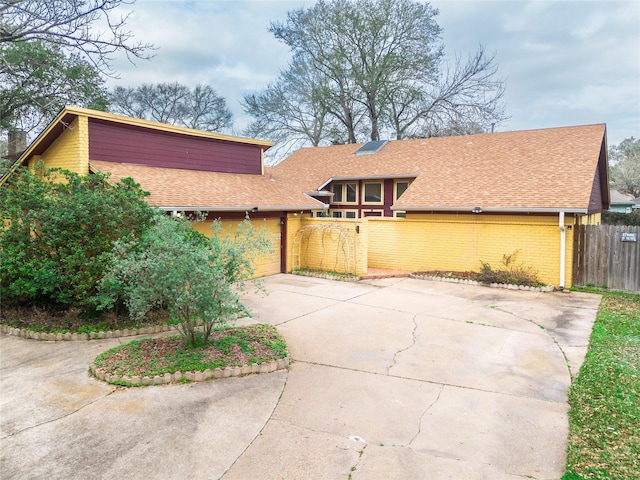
(392, 379)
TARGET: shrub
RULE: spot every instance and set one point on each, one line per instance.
(619, 218)
(174, 267)
(512, 273)
(59, 228)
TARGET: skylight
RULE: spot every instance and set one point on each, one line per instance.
(372, 147)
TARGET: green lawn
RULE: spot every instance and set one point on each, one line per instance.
(604, 418)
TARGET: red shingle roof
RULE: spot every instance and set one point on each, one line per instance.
(533, 169)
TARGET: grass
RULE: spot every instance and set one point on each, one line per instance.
(227, 347)
(604, 418)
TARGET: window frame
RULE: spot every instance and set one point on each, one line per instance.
(364, 193)
(373, 210)
(343, 213)
(395, 188)
(344, 188)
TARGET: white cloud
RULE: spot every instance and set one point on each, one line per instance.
(566, 62)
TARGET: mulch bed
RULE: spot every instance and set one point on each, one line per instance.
(227, 347)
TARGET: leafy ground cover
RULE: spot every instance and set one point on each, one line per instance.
(345, 277)
(604, 418)
(230, 346)
(76, 320)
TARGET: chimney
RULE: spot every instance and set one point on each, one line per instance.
(17, 144)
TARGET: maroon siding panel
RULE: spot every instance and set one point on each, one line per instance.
(388, 199)
(595, 202)
(112, 142)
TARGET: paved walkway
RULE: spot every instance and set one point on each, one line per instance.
(393, 379)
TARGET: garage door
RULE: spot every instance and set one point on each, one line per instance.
(266, 265)
(270, 264)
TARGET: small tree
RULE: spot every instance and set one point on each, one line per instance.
(59, 228)
(174, 267)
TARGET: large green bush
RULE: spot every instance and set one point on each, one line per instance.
(59, 230)
(196, 278)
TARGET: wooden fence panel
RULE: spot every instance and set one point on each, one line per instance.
(602, 258)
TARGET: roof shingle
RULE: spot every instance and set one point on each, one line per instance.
(190, 189)
(550, 168)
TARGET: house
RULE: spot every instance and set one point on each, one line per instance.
(622, 202)
(463, 200)
(185, 170)
(423, 204)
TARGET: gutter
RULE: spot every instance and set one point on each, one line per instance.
(489, 209)
(563, 243)
(249, 209)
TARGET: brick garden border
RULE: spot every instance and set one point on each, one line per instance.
(548, 288)
(179, 377)
(30, 334)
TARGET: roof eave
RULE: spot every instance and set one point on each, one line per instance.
(440, 208)
(367, 177)
(235, 209)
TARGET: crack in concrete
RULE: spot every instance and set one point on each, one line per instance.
(548, 333)
(357, 464)
(60, 417)
(275, 407)
(423, 414)
(430, 382)
(413, 344)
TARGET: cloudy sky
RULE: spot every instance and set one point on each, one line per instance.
(565, 62)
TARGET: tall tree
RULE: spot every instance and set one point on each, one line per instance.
(382, 68)
(56, 52)
(624, 160)
(36, 81)
(292, 111)
(201, 108)
(70, 26)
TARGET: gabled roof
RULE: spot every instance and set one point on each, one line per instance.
(69, 113)
(533, 170)
(184, 190)
(618, 197)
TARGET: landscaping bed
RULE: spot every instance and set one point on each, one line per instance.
(230, 351)
(50, 324)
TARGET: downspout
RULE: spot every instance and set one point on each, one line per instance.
(563, 242)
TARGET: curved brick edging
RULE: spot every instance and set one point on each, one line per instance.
(30, 334)
(178, 377)
(548, 288)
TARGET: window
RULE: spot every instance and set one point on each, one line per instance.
(352, 193)
(399, 214)
(401, 187)
(344, 213)
(344, 193)
(372, 193)
(373, 213)
(336, 189)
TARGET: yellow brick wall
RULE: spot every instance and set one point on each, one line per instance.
(592, 219)
(460, 242)
(70, 150)
(328, 244)
(266, 264)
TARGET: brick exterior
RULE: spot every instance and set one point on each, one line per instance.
(70, 150)
(266, 265)
(339, 249)
(438, 242)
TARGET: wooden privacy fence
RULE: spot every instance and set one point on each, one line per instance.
(607, 255)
